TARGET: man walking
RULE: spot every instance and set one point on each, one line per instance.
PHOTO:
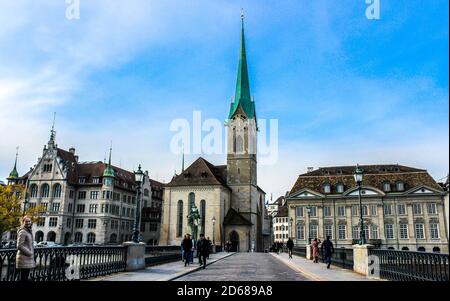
(187, 246)
(290, 246)
(203, 250)
(327, 245)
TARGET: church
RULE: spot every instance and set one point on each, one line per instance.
(230, 202)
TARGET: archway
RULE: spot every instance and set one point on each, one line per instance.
(405, 249)
(421, 249)
(436, 250)
(39, 236)
(234, 239)
(51, 236)
(67, 238)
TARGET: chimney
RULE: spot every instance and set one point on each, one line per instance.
(310, 169)
(72, 150)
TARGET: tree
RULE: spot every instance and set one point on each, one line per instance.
(11, 208)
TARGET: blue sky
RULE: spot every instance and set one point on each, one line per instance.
(344, 89)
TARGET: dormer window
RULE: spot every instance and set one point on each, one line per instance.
(326, 188)
(339, 172)
(386, 186)
(340, 188)
(96, 180)
(384, 169)
(81, 180)
(326, 172)
(399, 186)
(396, 169)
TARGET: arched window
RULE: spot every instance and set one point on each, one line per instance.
(91, 238)
(180, 218)
(399, 186)
(326, 188)
(203, 214)
(405, 249)
(340, 188)
(34, 191)
(78, 237)
(45, 191)
(436, 250)
(234, 141)
(51, 236)
(421, 249)
(146, 192)
(239, 144)
(191, 201)
(386, 186)
(57, 191)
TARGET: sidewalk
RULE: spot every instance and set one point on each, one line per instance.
(319, 271)
(163, 272)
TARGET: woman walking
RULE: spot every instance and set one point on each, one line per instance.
(315, 250)
(25, 250)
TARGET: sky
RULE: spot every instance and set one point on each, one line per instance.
(345, 89)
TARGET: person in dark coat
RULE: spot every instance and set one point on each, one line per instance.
(203, 250)
(187, 248)
(25, 250)
(290, 246)
(327, 246)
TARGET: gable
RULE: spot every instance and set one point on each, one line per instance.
(305, 193)
(423, 190)
(365, 190)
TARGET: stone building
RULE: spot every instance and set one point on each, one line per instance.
(403, 208)
(280, 222)
(151, 213)
(86, 202)
(227, 194)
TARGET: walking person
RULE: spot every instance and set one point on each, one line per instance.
(202, 250)
(328, 247)
(25, 250)
(187, 246)
(315, 250)
(210, 247)
(290, 246)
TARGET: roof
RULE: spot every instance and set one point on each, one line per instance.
(374, 175)
(282, 211)
(201, 172)
(235, 218)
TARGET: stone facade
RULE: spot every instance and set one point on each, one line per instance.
(403, 208)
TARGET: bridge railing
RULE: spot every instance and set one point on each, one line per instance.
(412, 266)
(342, 257)
(161, 254)
(54, 264)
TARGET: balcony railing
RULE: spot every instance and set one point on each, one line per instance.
(53, 263)
(412, 266)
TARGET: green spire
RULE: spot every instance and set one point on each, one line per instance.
(13, 175)
(242, 97)
(109, 171)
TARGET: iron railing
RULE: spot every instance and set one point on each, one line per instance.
(412, 266)
(52, 263)
(161, 254)
(342, 257)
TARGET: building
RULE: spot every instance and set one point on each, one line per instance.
(151, 213)
(281, 229)
(85, 202)
(230, 202)
(403, 208)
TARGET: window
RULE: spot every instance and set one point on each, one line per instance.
(180, 218)
(299, 211)
(313, 231)
(355, 232)
(53, 222)
(342, 231)
(146, 192)
(403, 231)
(94, 195)
(92, 223)
(78, 237)
(69, 207)
(41, 222)
(55, 207)
(45, 191)
(79, 223)
(93, 208)
(388, 209)
(326, 188)
(399, 186)
(327, 211)
(386, 186)
(47, 168)
(80, 208)
(355, 210)
(300, 232)
(153, 227)
(81, 180)
(71, 194)
(34, 191)
(417, 208)
(45, 206)
(366, 231)
(57, 191)
(329, 231)
(374, 232)
(373, 210)
(91, 238)
(313, 211)
(434, 231)
(401, 209)
(420, 234)
(340, 188)
(341, 211)
(364, 210)
(81, 195)
(69, 223)
(431, 208)
(95, 180)
(389, 231)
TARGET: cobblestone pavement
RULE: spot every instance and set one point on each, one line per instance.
(246, 267)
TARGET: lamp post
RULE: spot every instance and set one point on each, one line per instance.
(308, 209)
(138, 177)
(213, 230)
(290, 232)
(358, 179)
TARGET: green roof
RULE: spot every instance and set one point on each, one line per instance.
(13, 174)
(109, 171)
(242, 98)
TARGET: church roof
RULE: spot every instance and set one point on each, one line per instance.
(235, 218)
(200, 173)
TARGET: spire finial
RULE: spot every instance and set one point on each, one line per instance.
(182, 161)
(110, 150)
(242, 14)
(17, 154)
(51, 142)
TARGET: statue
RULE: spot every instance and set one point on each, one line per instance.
(193, 220)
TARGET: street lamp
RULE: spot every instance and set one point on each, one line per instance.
(213, 227)
(138, 177)
(308, 209)
(290, 232)
(358, 179)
